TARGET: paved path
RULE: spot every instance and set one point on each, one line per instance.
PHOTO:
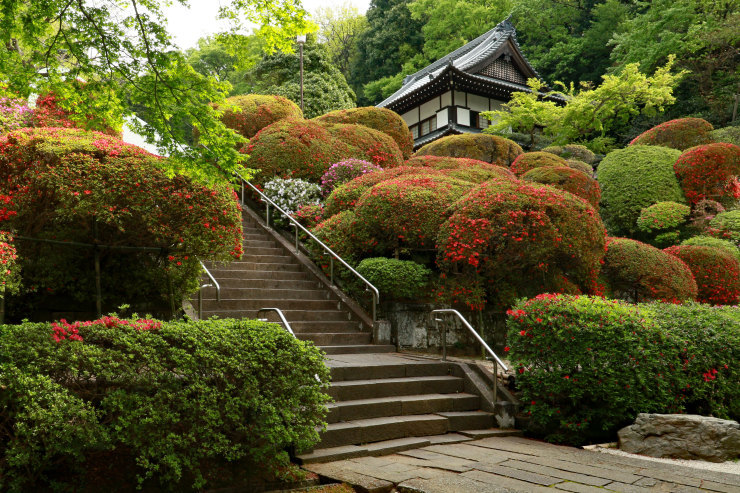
(518, 464)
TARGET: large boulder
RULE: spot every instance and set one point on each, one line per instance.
(682, 436)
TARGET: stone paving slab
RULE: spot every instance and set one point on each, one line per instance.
(514, 464)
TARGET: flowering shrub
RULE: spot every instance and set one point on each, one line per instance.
(466, 169)
(291, 194)
(14, 114)
(710, 172)
(717, 273)
(664, 222)
(9, 269)
(98, 190)
(634, 178)
(395, 278)
(709, 241)
(580, 166)
(309, 215)
(574, 353)
(567, 179)
(726, 225)
(515, 239)
(49, 112)
(727, 134)
(370, 144)
(342, 234)
(573, 151)
(702, 214)
(406, 212)
(168, 405)
(677, 134)
(635, 272)
(381, 119)
(483, 147)
(345, 171)
(531, 160)
(247, 114)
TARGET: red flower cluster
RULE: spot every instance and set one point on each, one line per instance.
(710, 172)
(716, 271)
(681, 134)
(64, 330)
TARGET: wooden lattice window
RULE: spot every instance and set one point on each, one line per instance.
(505, 70)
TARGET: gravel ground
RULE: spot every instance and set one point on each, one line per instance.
(731, 467)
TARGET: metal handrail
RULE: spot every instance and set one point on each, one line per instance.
(297, 225)
(496, 359)
(200, 290)
(282, 319)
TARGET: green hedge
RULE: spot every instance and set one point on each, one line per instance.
(169, 405)
(395, 278)
(587, 366)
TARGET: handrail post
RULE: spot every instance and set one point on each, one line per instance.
(296, 237)
(444, 341)
(267, 214)
(495, 382)
(200, 303)
(375, 306)
(242, 182)
(331, 269)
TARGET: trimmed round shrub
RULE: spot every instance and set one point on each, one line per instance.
(373, 145)
(710, 172)
(677, 134)
(531, 160)
(309, 215)
(345, 196)
(291, 194)
(345, 171)
(573, 151)
(381, 119)
(634, 178)
(483, 147)
(727, 134)
(406, 212)
(10, 280)
(710, 241)
(97, 189)
(341, 233)
(124, 404)
(716, 271)
(727, 225)
(580, 166)
(567, 179)
(396, 278)
(513, 239)
(471, 170)
(249, 113)
(663, 216)
(635, 272)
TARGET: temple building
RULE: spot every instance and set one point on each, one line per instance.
(448, 96)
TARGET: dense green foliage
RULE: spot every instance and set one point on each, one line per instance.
(717, 272)
(471, 170)
(730, 135)
(573, 151)
(727, 225)
(573, 354)
(567, 179)
(664, 223)
(483, 147)
(634, 178)
(396, 278)
(96, 405)
(95, 189)
(637, 272)
(677, 134)
(710, 241)
(531, 160)
(250, 113)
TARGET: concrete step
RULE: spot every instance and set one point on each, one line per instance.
(268, 283)
(359, 349)
(264, 275)
(319, 326)
(243, 308)
(296, 316)
(385, 447)
(260, 293)
(390, 387)
(336, 338)
(372, 430)
(401, 406)
(258, 241)
(231, 269)
(468, 420)
(256, 250)
(369, 371)
(275, 256)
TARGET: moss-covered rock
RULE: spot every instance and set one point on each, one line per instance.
(484, 147)
(531, 160)
(381, 119)
(681, 134)
(567, 179)
(250, 113)
(634, 178)
(573, 151)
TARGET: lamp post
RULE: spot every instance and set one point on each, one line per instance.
(301, 40)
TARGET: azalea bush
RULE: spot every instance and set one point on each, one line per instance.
(98, 190)
(726, 225)
(291, 194)
(483, 147)
(710, 172)
(531, 160)
(14, 114)
(247, 114)
(9, 269)
(664, 222)
(681, 134)
(710, 241)
(573, 151)
(345, 171)
(472, 170)
(567, 179)
(717, 273)
(572, 354)
(116, 404)
(396, 278)
(637, 272)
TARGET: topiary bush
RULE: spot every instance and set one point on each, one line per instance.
(483, 147)
(636, 272)
(717, 273)
(396, 278)
(574, 353)
(726, 134)
(310, 215)
(345, 171)
(664, 222)
(342, 234)
(567, 179)
(709, 241)
(726, 225)
(580, 166)
(680, 134)
(372, 145)
(247, 114)
(406, 212)
(119, 404)
(381, 119)
(531, 160)
(573, 151)
(471, 170)
(508, 239)
(710, 172)
(634, 178)
(98, 190)
(9, 269)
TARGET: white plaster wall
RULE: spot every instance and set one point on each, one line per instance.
(477, 103)
(411, 117)
(443, 117)
(463, 116)
(429, 108)
(446, 99)
(459, 98)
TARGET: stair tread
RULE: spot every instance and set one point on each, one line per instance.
(365, 422)
(411, 397)
(347, 383)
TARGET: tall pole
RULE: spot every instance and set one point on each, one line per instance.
(301, 45)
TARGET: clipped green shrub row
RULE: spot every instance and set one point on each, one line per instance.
(168, 405)
(395, 278)
(586, 366)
